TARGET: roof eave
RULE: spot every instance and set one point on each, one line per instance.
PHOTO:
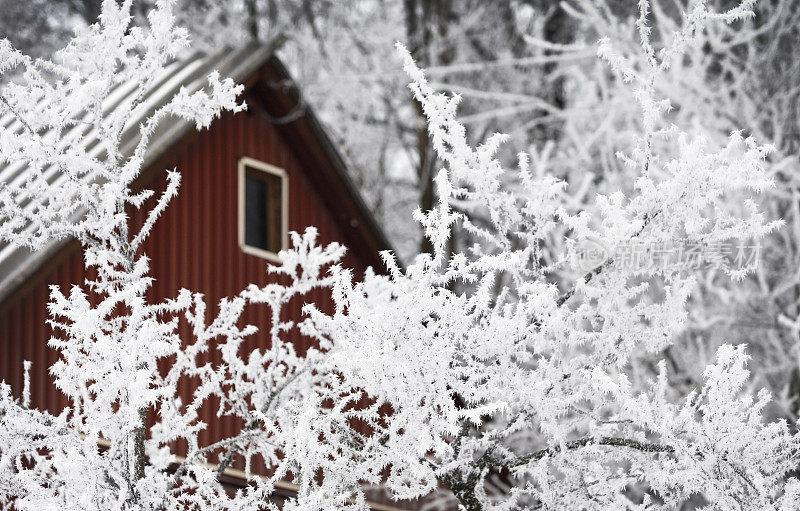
(306, 128)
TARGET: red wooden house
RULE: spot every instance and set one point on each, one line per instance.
(247, 180)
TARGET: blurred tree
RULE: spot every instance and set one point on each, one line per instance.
(477, 48)
(37, 27)
(89, 10)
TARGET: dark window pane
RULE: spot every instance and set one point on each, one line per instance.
(274, 212)
(255, 219)
(263, 225)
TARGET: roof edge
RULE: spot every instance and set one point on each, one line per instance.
(336, 160)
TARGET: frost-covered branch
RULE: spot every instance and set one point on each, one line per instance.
(519, 363)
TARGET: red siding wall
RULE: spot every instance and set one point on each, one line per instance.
(194, 245)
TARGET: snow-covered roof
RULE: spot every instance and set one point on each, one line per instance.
(189, 71)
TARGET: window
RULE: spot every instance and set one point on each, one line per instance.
(263, 201)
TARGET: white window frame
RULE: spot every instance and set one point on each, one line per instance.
(244, 163)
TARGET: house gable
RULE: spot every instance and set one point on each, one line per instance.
(194, 245)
